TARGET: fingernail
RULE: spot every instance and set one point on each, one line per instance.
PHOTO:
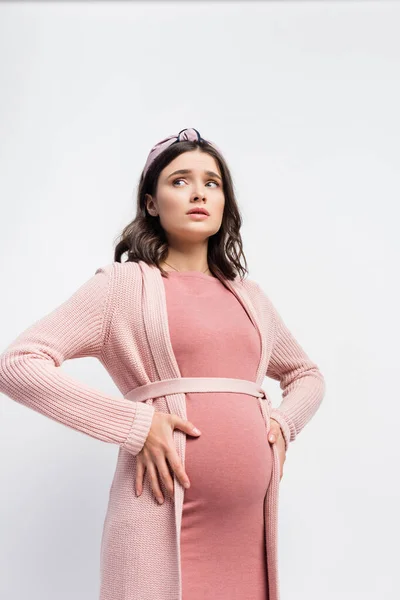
(186, 484)
(271, 438)
(196, 430)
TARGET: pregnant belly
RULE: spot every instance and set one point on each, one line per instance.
(230, 463)
(229, 466)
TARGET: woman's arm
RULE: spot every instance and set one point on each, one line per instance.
(30, 370)
(300, 379)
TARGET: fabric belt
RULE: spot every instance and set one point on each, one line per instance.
(184, 385)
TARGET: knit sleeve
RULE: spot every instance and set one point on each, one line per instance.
(300, 379)
(31, 373)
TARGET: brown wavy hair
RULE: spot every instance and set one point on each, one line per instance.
(144, 238)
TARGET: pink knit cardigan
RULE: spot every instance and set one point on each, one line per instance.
(119, 316)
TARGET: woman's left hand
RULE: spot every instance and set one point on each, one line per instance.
(275, 437)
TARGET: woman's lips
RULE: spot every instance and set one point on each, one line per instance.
(198, 216)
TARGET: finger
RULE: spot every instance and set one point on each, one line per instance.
(274, 431)
(155, 485)
(184, 425)
(177, 467)
(140, 469)
(165, 474)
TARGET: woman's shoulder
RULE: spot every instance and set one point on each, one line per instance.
(251, 286)
(256, 292)
(116, 268)
(117, 277)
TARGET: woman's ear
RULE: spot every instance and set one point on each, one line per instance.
(150, 205)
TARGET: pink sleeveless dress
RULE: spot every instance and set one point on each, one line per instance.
(229, 465)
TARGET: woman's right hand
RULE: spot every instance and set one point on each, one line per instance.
(159, 448)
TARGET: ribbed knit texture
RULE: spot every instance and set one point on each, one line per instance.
(30, 373)
(119, 316)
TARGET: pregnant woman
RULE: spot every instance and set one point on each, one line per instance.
(188, 339)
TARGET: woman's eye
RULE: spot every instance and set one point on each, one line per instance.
(212, 181)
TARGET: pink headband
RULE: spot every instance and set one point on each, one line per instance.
(184, 134)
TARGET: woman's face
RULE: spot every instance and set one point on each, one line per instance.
(177, 193)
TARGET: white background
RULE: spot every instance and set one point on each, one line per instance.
(303, 99)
